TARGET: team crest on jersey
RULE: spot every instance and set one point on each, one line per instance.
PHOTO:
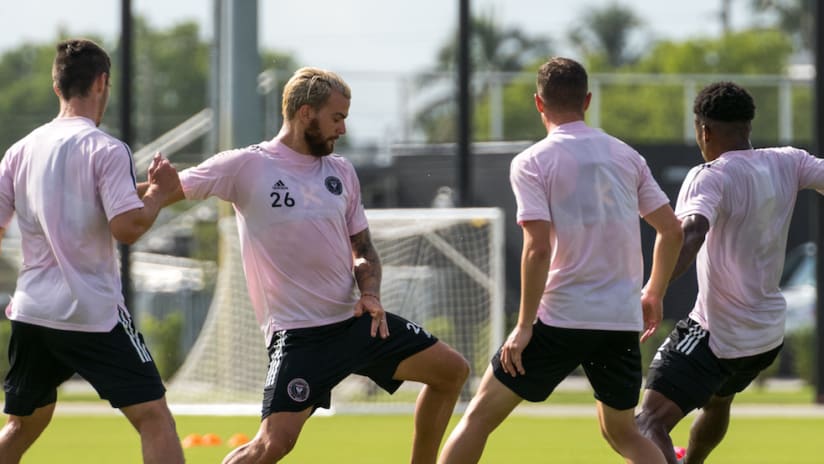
(334, 185)
(298, 390)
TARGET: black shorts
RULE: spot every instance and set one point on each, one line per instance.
(116, 363)
(305, 364)
(611, 360)
(686, 371)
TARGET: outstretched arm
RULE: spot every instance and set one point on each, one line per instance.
(368, 271)
(163, 185)
(668, 241)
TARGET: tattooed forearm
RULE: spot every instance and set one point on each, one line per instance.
(367, 263)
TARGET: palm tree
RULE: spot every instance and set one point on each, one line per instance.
(493, 50)
(607, 32)
(795, 17)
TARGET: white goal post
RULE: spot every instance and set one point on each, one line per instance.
(443, 268)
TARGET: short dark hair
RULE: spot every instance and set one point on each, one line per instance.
(725, 102)
(77, 64)
(562, 84)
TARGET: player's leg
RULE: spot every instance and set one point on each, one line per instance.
(443, 371)
(120, 368)
(31, 389)
(20, 432)
(158, 437)
(275, 438)
(550, 356)
(493, 403)
(682, 376)
(656, 419)
(613, 367)
(709, 428)
(619, 429)
(304, 365)
(712, 422)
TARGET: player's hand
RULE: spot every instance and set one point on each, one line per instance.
(163, 176)
(653, 307)
(513, 348)
(372, 305)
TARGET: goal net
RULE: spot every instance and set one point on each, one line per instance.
(442, 268)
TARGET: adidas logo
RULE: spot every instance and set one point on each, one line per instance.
(279, 185)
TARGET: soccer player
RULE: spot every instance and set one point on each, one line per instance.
(314, 276)
(73, 189)
(579, 193)
(735, 211)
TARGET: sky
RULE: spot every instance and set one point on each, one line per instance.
(371, 43)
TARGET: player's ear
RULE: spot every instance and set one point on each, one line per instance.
(306, 113)
(587, 100)
(539, 103)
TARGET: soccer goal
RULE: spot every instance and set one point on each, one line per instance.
(442, 268)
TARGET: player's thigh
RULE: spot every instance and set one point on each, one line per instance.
(282, 429)
(34, 370)
(613, 368)
(744, 370)
(436, 364)
(381, 359)
(684, 368)
(116, 363)
(492, 403)
(550, 356)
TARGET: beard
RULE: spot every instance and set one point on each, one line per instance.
(318, 145)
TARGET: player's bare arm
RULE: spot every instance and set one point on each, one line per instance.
(668, 240)
(163, 183)
(143, 187)
(368, 271)
(695, 228)
(535, 259)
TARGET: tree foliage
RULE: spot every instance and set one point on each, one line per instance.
(655, 112)
(170, 82)
(494, 48)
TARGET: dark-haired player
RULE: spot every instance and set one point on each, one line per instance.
(579, 193)
(72, 187)
(738, 206)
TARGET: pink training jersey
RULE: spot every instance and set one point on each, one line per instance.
(591, 187)
(65, 181)
(748, 197)
(295, 216)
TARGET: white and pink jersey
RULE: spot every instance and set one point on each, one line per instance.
(295, 216)
(591, 187)
(65, 181)
(748, 197)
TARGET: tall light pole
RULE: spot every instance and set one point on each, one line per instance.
(463, 169)
(125, 89)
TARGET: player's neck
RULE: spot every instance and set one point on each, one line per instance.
(78, 107)
(293, 139)
(554, 120)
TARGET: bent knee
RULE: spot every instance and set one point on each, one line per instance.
(457, 370)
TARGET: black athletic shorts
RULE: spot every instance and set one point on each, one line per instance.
(611, 361)
(116, 363)
(686, 371)
(305, 364)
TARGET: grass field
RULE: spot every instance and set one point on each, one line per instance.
(522, 438)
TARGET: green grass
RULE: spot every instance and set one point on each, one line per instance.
(346, 439)
(386, 439)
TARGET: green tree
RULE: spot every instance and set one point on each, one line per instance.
(654, 113)
(794, 17)
(493, 49)
(604, 35)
